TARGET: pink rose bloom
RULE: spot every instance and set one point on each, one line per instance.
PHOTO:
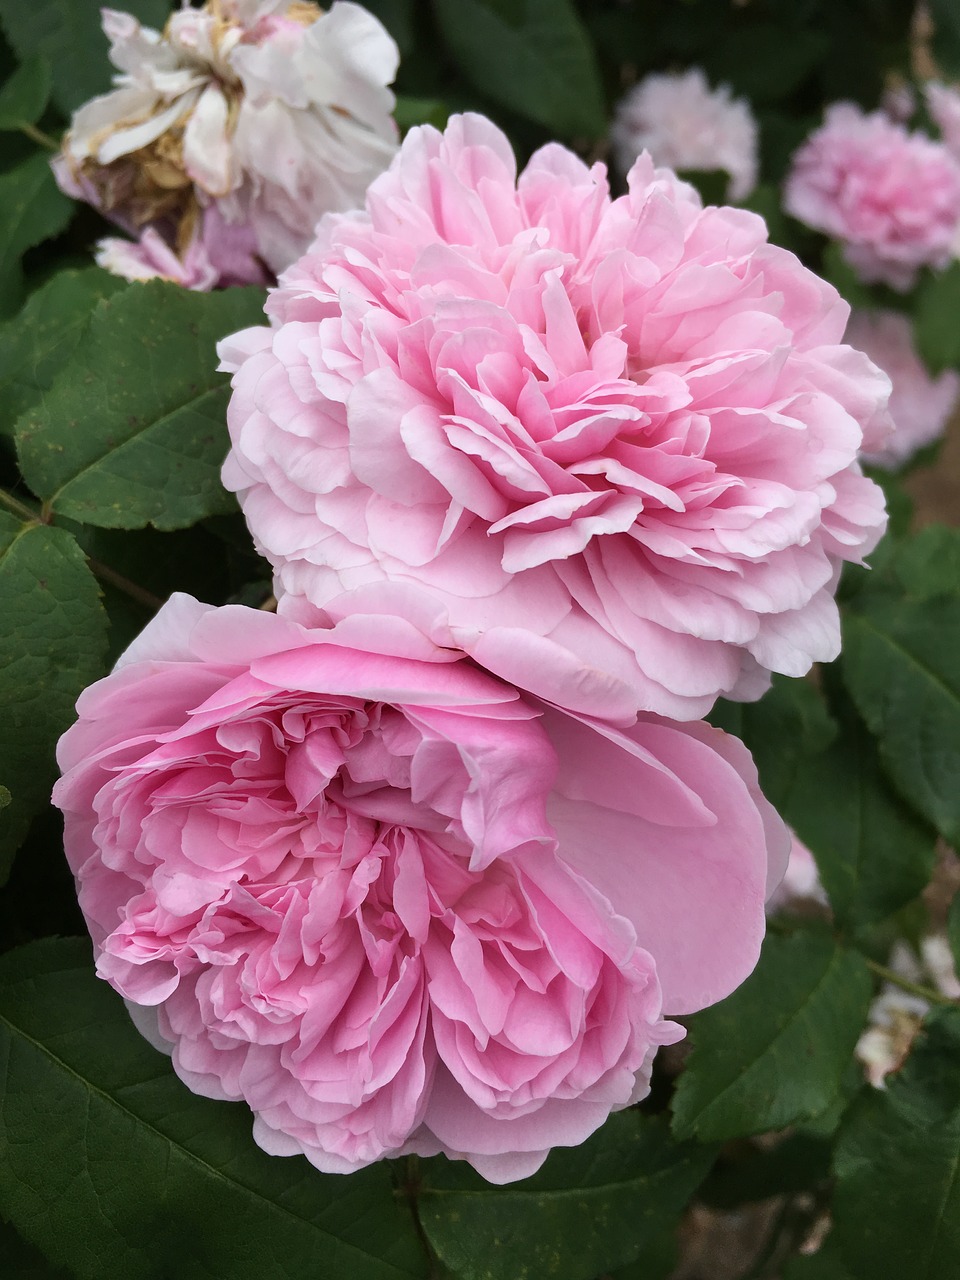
(390, 903)
(891, 197)
(235, 128)
(685, 124)
(920, 405)
(151, 258)
(608, 448)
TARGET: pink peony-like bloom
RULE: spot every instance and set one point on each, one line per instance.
(234, 129)
(920, 405)
(891, 197)
(608, 448)
(389, 902)
(685, 124)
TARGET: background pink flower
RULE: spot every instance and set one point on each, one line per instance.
(388, 902)
(606, 447)
(685, 124)
(891, 197)
(920, 405)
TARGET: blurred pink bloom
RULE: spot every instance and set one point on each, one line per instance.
(891, 197)
(246, 118)
(391, 904)
(943, 103)
(606, 447)
(920, 405)
(685, 124)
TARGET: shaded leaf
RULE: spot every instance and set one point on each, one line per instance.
(69, 35)
(900, 665)
(936, 332)
(36, 342)
(873, 854)
(774, 1052)
(532, 56)
(26, 93)
(897, 1163)
(31, 209)
(133, 430)
(52, 640)
(589, 1209)
(112, 1167)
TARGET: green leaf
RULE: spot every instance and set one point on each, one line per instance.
(874, 855)
(25, 94)
(774, 1052)
(21, 1261)
(589, 1209)
(111, 1166)
(31, 209)
(69, 35)
(532, 56)
(38, 341)
(413, 111)
(52, 639)
(900, 666)
(937, 303)
(822, 1265)
(788, 724)
(897, 1163)
(133, 430)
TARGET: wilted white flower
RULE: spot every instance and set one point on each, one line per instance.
(687, 125)
(896, 1015)
(234, 130)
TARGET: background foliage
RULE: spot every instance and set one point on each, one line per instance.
(111, 436)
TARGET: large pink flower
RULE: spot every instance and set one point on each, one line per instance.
(606, 447)
(389, 902)
(891, 197)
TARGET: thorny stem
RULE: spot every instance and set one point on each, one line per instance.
(38, 135)
(915, 989)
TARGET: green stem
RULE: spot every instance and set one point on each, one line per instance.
(135, 592)
(37, 135)
(19, 508)
(915, 989)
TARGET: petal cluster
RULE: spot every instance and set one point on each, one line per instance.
(233, 131)
(606, 447)
(891, 197)
(920, 404)
(391, 903)
(686, 125)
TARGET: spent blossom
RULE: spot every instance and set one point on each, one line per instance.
(392, 904)
(607, 447)
(230, 133)
(892, 198)
(686, 125)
